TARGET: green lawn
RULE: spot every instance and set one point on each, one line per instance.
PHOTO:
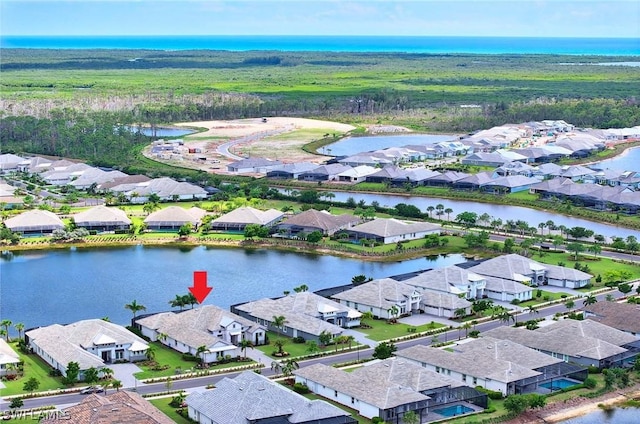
(295, 349)
(163, 405)
(33, 367)
(172, 358)
(381, 330)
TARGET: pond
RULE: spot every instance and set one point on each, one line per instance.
(627, 161)
(62, 286)
(162, 131)
(613, 416)
(353, 145)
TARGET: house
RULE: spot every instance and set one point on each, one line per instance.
(446, 179)
(34, 222)
(218, 330)
(253, 165)
(8, 358)
(386, 174)
(371, 159)
(391, 230)
(492, 363)
(384, 298)
(388, 389)
(473, 182)
(442, 304)
(174, 217)
(34, 165)
(62, 174)
(513, 168)
(307, 315)
(123, 185)
(546, 171)
(291, 171)
(576, 172)
(166, 189)
(451, 279)
(524, 270)
(328, 172)
(485, 159)
(102, 218)
(91, 343)
(509, 184)
(621, 316)
(586, 343)
(414, 177)
(312, 220)
(10, 162)
(238, 219)
(357, 174)
(504, 290)
(250, 398)
(93, 177)
(118, 407)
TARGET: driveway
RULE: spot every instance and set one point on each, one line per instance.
(124, 373)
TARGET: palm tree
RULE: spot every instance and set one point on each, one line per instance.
(202, 349)
(244, 344)
(279, 344)
(116, 384)
(20, 327)
(393, 312)
(289, 366)
(279, 321)
(448, 211)
(190, 299)
(151, 353)
(533, 310)
(349, 340)
(430, 209)
(366, 316)
(589, 300)
(6, 323)
(276, 367)
(135, 307)
(178, 302)
(162, 337)
(467, 325)
(460, 312)
(107, 372)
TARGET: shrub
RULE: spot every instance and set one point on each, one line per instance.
(594, 370)
(301, 388)
(189, 357)
(491, 394)
(474, 333)
(298, 339)
(515, 301)
(55, 373)
(589, 383)
(546, 298)
(563, 296)
(539, 293)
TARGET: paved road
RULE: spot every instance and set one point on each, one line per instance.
(198, 383)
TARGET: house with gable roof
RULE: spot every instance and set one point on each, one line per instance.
(250, 398)
(102, 218)
(312, 220)
(34, 222)
(621, 316)
(380, 296)
(238, 219)
(391, 230)
(388, 389)
(91, 343)
(307, 315)
(174, 217)
(8, 357)
(218, 330)
(253, 165)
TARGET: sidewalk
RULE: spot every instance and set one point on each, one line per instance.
(258, 356)
(360, 337)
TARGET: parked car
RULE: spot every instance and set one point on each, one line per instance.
(91, 389)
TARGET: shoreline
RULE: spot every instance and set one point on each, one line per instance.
(558, 412)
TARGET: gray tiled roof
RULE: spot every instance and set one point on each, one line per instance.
(381, 293)
(322, 220)
(386, 384)
(249, 215)
(507, 266)
(68, 343)
(444, 300)
(250, 396)
(622, 316)
(300, 310)
(194, 327)
(508, 351)
(503, 285)
(389, 227)
(563, 273)
(7, 355)
(475, 363)
(568, 339)
(442, 279)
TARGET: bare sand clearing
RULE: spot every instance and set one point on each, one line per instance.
(245, 127)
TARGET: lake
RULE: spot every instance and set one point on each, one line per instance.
(504, 212)
(628, 161)
(61, 286)
(353, 145)
(163, 131)
(614, 416)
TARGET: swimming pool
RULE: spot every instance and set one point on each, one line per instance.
(559, 384)
(452, 411)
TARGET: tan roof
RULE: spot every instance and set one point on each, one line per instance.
(115, 408)
(381, 293)
(322, 220)
(101, 215)
(34, 220)
(622, 316)
(175, 215)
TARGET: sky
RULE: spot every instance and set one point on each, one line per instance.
(513, 18)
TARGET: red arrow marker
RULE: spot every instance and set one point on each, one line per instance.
(200, 289)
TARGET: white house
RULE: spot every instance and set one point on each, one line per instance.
(218, 330)
(90, 343)
(391, 230)
(384, 298)
(8, 357)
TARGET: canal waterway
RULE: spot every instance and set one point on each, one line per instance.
(61, 286)
(504, 212)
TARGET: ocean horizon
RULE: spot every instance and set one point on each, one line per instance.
(358, 44)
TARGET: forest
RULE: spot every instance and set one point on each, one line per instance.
(76, 103)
